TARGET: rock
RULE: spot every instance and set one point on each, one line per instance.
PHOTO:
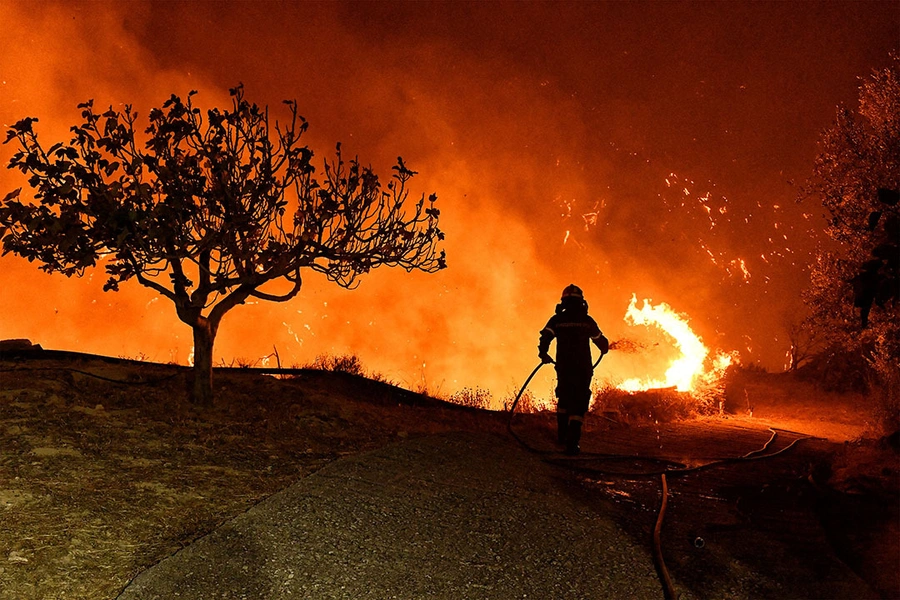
(18, 344)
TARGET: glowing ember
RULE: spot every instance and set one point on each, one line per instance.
(685, 372)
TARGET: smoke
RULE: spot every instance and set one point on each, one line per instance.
(626, 148)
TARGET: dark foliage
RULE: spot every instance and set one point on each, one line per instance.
(855, 281)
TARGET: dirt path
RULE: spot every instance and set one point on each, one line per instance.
(454, 516)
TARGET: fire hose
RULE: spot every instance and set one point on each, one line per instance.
(669, 591)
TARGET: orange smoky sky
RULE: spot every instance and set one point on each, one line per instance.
(648, 148)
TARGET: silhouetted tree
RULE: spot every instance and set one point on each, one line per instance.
(855, 281)
(805, 343)
(205, 211)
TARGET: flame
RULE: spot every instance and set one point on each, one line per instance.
(685, 372)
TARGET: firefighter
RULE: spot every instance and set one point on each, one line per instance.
(574, 331)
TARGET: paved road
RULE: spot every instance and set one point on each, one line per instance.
(455, 516)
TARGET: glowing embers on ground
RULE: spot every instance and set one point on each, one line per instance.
(687, 371)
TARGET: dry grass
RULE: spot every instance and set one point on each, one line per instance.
(101, 480)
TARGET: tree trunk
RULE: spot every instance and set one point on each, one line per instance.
(204, 336)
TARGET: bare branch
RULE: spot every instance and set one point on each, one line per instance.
(279, 297)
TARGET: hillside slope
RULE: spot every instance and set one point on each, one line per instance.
(106, 470)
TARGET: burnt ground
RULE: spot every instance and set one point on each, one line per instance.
(105, 471)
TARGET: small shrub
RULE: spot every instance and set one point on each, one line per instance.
(472, 397)
(343, 363)
(528, 403)
(755, 367)
(347, 363)
(423, 388)
(382, 378)
(712, 391)
(837, 369)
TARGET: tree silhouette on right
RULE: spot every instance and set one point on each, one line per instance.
(854, 294)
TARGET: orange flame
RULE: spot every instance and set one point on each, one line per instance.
(686, 371)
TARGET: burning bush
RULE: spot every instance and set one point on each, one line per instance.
(710, 390)
(659, 405)
(655, 405)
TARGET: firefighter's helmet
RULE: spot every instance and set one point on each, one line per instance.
(572, 291)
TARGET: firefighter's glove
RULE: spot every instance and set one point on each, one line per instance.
(545, 358)
(602, 344)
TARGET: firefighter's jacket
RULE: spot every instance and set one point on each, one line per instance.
(574, 331)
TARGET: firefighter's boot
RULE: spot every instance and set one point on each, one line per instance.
(573, 437)
(562, 426)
